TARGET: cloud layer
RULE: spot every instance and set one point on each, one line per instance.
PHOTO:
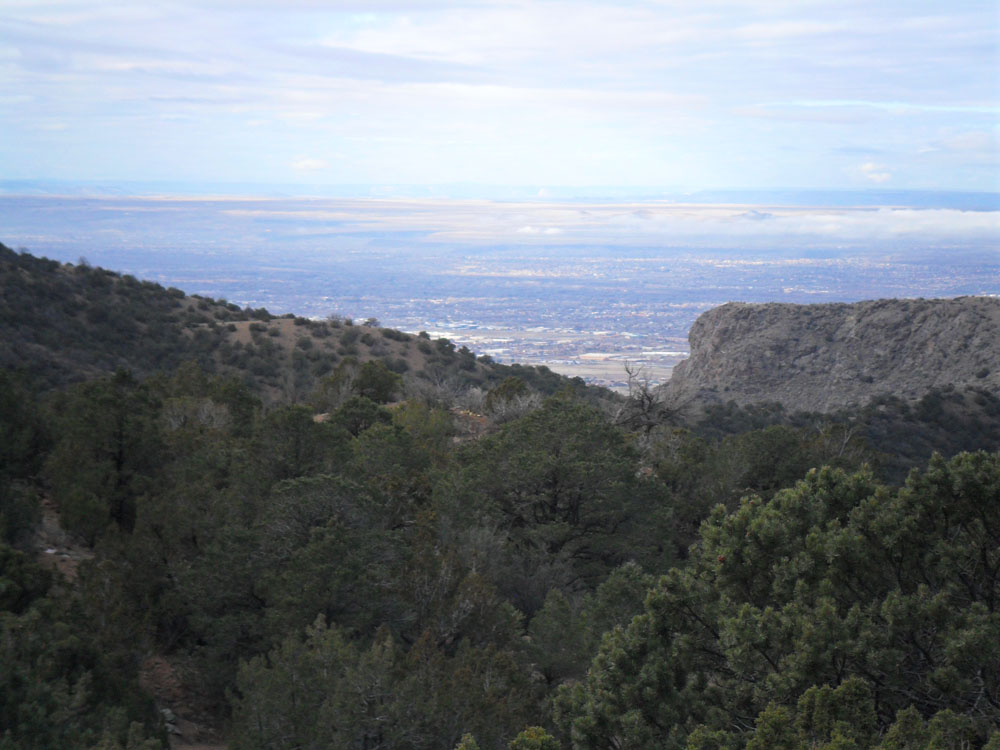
(640, 224)
(669, 93)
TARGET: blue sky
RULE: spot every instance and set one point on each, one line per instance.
(684, 95)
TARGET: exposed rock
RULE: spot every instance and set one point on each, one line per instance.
(822, 357)
(56, 549)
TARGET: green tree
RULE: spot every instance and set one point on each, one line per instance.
(106, 453)
(290, 443)
(58, 688)
(702, 473)
(325, 691)
(328, 551)
(832, 580)
(277, 697)
(370, 380)
(394, 464)
(25, 436)
(534, 738)
(357, 414)
(377, 382)
(21, 581)
(432, 429)
(510, 400)
(563, 486)
(566, 632)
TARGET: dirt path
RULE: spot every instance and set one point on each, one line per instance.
(188, 727)
(55, 549)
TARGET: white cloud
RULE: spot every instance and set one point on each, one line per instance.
(561, 92)
(640, 224)
(973, 141)
(772, 30)
(898, 107)
(980, 143)
(876, 173)
(309, 164)
(517, 33)
(539, 230)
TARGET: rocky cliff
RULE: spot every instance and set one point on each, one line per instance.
(822, 357)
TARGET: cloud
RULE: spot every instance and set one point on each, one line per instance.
(645, 224)
(796, 114)
(875, 172)
(769, 31)
(980, 145)
(972, 141)
(562, 92)
(539, 230)
(898, 107)
(309, 165)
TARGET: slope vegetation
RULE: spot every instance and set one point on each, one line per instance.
(359, 569)
(64, 323)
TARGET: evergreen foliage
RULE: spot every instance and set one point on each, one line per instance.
(63, 323)
(889, 596)
(355, 566)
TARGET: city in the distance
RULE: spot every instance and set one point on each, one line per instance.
(581, 283)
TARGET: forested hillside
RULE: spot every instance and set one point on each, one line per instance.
(62, 323)
(384, 560)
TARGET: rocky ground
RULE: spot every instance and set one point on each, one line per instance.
(55, 549)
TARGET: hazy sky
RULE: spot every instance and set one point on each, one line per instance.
(770, 93)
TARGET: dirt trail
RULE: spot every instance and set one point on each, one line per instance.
(188, 727)
(57, 550)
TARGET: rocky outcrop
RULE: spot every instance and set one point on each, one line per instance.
(822, 357)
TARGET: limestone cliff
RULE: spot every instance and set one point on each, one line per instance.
(821, 357)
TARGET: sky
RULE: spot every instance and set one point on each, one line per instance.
(895, 94)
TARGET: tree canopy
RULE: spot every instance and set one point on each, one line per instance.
(838, 589)
(470, 555)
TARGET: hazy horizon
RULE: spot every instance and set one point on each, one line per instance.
(580, 286)
(872, 196)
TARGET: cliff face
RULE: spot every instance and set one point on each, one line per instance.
(822, 357)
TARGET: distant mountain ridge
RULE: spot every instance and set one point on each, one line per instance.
(827, 356)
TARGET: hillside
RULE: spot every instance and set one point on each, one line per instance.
(825, 357)
(196, 554)
(62, 323)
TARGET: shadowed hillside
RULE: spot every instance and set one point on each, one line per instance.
(62, 323)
